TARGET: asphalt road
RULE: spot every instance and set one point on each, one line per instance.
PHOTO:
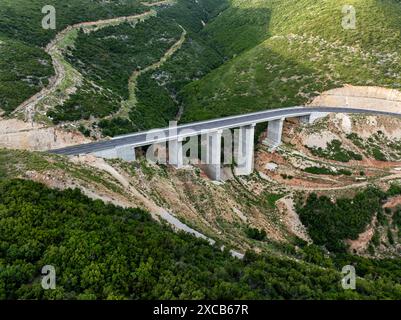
(192, 129)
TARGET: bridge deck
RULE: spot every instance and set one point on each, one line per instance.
(192, 129)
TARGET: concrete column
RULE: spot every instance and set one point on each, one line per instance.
(244, 150)
(274, 133)
(176, 153)
(212, 159)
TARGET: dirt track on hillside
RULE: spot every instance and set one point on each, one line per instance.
(53, 50)
(127, 105)
(30, 135)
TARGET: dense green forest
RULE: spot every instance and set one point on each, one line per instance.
(247, 58)
(238, 56)
(105, 252)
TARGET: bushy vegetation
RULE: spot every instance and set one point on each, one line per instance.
(397, 220)
(331, 222)
(335, 151)
(378, 146)
(24, 70)
(156, 96)
(327, 171)
(105, 252)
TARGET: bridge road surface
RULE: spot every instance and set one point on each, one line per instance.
(197, 128)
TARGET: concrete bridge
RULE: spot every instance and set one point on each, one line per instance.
(212, 132)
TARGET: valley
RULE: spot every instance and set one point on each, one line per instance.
(327, 197)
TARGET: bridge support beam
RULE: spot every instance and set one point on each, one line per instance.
(175, 152)
(212, 156)
(244, 150)
(317, 115)
(274, 133)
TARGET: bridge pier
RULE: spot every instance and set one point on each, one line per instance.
(244, 150)
(175, 152)
(212, 157)
(274, 133)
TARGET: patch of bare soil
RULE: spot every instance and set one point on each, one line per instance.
(291, 218)
(165, 198)
(17, 134)
(393, 202)
(360, 245)
(60, 180)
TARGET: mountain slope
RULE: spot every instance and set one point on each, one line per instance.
(25, 68)
(305, 52)
(101, 251)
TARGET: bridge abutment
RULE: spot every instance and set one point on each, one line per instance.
(126, 153)
(311, 118)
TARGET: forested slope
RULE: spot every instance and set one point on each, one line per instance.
(109, 57)
(105, 252)
(24, 66)
(300, 52)
(238, 56)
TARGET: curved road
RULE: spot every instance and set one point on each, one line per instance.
(203, 127)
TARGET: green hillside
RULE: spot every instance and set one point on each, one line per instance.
(238, 56)
(105, 252)
(24, 66)
(101, 251)
(193, 60)
(108, 57)
(304, 51)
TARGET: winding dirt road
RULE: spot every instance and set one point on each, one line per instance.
(28, 107)
(132, 100)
